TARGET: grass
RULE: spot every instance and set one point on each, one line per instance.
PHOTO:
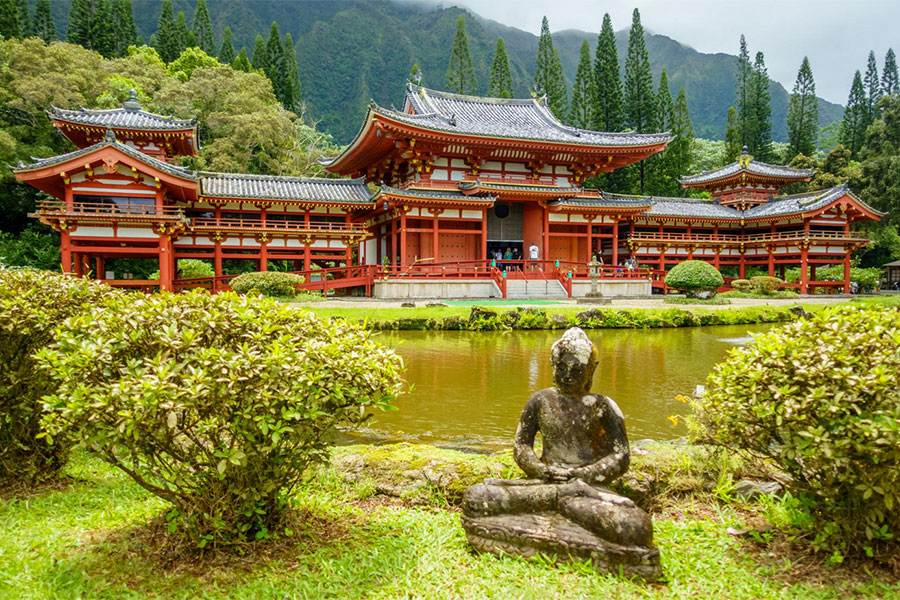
(776, 295)
(91, 540)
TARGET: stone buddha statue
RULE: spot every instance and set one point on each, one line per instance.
(563, 510)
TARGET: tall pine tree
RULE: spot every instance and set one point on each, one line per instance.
(260, 57)
(803, 114)
(549, 76)
(166, 37)
(640, 101)
(226, 52)
(89, 25)
(181, 33)
(745, 114)
(607, 81)
(890, 82)
(25, 19)
(292, 92)
(43, 25)
(242, 62)
(660, 173)
(460, 72)
(500, 85)
(854, 123)
(873, 89)
(276, 66)
(124, 30)
(202, 28)
(760, 143)
(9, 19)
(584, 91)
(680, 152)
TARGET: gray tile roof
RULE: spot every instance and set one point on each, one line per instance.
(433, 193)
(753, 167)
(40, 163)
(606, 201)
(515, 187)
(801, 203)
(271, 187)
(122, 118)
(525, 119)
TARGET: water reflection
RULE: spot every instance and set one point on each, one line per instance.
(469, 387)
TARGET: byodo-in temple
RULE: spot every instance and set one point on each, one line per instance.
(439, 195)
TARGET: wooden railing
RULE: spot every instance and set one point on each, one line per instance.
(752, 238)
(276, 226)
(57, 208)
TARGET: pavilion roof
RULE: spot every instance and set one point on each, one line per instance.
(432, 194)
(746, 165)
(529, 119)
(271, 187)
(122, 118)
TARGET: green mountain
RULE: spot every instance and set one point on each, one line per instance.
(352, 51)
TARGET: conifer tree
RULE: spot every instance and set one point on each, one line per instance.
(680, 153)
(43, 25)
(890, 82)
(760, 144)
(640, 101)
(190, 40)
(181, 33)
(732, 136)
(803, 114)
(607, 81)
(873, 89)
(415, 76)
(500, 85)
(260, 57)
(460, 72)
(166, 37)
(123, 27)
(292, 93)
(745, 114)
(584, 90)
(665, 108)
(9, 19)
(275, 65)
(549, 76)
(242, 62)
(853, 125)
(226, 52)
(25, 19)
(662, 180)
(89, 25)
(202, 28)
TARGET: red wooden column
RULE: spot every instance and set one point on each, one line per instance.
(166, 264)
(403, 258)
(263, 249)
(804, 258)
(615, 241)
(100, 268)
(79, 264)
(742, 269)
(590, 239)
(690, 248)
(847, 258)
(484, 255)
(630, 234)
(307, 251)
(435, 246)
(545, 253)
(65, 252)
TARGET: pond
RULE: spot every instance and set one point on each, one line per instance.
(468, 388)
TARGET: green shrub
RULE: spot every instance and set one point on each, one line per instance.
(694, 278)
(191, 268)
(32, 303)
(268, 283)
(763, 284)
(742, 285)
(819, 397)
(217, 404)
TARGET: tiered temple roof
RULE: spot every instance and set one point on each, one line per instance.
(121, 118)
(293, 189)
(750, 167)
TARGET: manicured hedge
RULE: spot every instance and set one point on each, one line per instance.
(694, 276)
(268, 283)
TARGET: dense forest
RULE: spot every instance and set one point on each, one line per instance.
(351, 51)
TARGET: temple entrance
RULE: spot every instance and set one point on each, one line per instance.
(504, 230)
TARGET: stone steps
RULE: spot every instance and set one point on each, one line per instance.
(535, 288)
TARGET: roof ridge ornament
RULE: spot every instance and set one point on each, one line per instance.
(744, 159)
(110, 135)
(132, 103)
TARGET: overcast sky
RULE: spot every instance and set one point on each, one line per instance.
(836, 35)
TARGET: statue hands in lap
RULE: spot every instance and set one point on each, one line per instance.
(563, 508)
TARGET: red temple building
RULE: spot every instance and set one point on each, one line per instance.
(456, 180)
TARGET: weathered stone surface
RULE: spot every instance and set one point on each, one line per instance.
(563, 511)
(511, 318)
(435, 304)
(748, 490)
(558, 321)
(589, 314)
(408, 305)
(701, 293)
(800, 312)
(481, 313)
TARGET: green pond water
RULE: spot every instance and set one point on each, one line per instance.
(468, 388)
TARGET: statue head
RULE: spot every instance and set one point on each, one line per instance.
(574, 359)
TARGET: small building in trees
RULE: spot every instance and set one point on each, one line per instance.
(437, 192)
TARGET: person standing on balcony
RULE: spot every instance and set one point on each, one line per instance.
(533, 253)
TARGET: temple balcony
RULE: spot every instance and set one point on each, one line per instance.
(645, 238)
(278, 228)
(61, 215)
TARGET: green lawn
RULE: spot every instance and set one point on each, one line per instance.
(88, 541)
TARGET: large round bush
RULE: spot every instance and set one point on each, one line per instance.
(218, 404)
(696, 278)
(32, 304)
(269, 283)
(820, 397)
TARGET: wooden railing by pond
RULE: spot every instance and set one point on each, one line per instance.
(699, 239)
